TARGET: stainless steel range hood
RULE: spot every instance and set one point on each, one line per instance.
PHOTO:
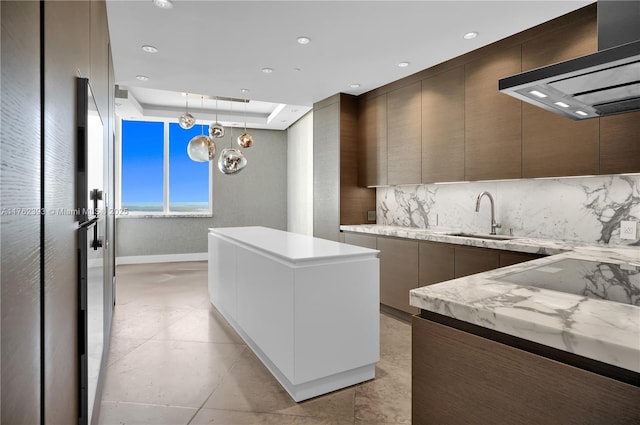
(603, 83)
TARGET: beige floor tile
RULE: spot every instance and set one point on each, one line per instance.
(228, 417)
(395, 337)
(114, 413)
(121, 346)
(386, 399)
(177, 373)
(250, 387)
(171, 349)
(144, 321)
(201, 325)
(170, 284)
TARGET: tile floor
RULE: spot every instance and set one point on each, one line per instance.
(174, 360)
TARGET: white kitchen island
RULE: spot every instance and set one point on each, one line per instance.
(307, 307)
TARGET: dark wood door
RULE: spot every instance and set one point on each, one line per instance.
(470, 260)
(443, 127)
(493, 147)
(620, 143)
(404, 135)
(437, 263)
(553, 145)
(398, 272)
(373, 142)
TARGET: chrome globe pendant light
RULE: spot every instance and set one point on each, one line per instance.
(186, 120)
(216, 130)
(201, 148)
(231, 160)
(245, 140)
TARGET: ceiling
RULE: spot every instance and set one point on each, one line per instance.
(217, 48)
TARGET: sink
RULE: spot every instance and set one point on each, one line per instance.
(478, 236)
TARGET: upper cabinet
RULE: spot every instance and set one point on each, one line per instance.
(493, 148)
(450, 123)
(404, 135)
(553, 145)
(373, 143)
(443, 127)
(620, 143)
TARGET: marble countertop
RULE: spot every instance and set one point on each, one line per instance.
(291, 247)
(519, 244)
(601, 330)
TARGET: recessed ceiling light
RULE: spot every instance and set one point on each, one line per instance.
(244, 90)
(267, 70)
(354, 85)
(561, 104)
(149, 49)
(283, 120)
(470, 35)
(536, 93)
(142, 77)
(304, 40)
(163, 4)
(297, 69)
(583, 113)
(294, 110)
(118, 104)
(403, 64)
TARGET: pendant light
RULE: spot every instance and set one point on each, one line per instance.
(186, 120)
(245, 140)
(201, 148)
(216, 130)
(231, 160)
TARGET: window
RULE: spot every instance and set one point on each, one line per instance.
(157, 175)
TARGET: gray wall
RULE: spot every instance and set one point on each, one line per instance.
(257, 196)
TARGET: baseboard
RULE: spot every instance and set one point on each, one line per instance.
(167, 258)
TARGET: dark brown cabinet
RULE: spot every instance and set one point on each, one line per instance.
(471, 260)
(338, 199)
(509, 258)
(620, 143)
(553, 145)
(398, 272)
(373, 142)
(404, 137)
(493, 148)
(365, 241)
(437, 263)
(443, 127)
(459, 377)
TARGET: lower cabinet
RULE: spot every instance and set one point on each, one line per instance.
(406, 264)
(398, 272)
(462, 378)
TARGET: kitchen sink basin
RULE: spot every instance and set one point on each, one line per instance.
(479, 236)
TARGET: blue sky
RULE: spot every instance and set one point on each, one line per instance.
(142, 164)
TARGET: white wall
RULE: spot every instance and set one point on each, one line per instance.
(583, 209)
(300, 176)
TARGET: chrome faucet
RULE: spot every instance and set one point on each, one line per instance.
(494, 225)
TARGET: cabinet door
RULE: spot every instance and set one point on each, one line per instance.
(493, 146)
(620, 143)
(404, 135)
(398, 272)
(553, 145)
(373, 130)
(365, 241)
(509, 258)
(436, 263)
(443, 127)
(471, 260)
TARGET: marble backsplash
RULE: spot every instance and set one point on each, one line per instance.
(583, 209)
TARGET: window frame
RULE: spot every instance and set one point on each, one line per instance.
(165, 178)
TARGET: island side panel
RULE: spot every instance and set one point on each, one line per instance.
(222, 276)
(337, 318)
(265, 307)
